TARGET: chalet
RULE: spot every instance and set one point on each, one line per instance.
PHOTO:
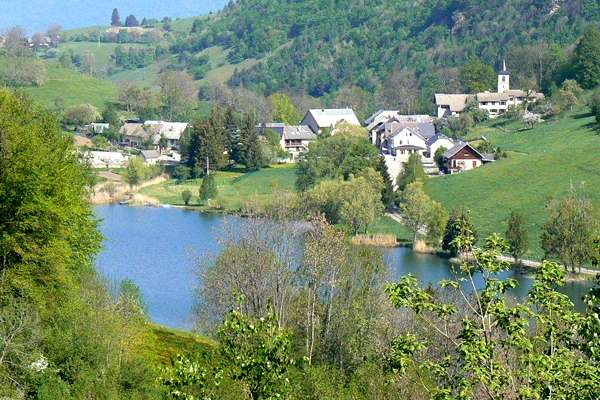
(135, 134)
(382, 126)
(319, 120)
(295, 140)
(171, 131)
(464, 157)
(495, 104)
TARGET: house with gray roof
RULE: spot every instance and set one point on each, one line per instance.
(464, 157)
(320, 119)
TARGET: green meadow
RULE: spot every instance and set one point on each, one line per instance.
(542, 163)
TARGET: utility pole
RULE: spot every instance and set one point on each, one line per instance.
(207, 166)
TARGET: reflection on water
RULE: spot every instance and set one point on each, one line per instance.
(158, 249)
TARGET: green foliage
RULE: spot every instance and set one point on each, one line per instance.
(250, 150)
(516, 235)
(586, 59)
(181, 173)
(137, 171)
(568, 233)
(495, 349)
(412, 171)
(206, 144)
(284, 110)
(459, 226)
(208, 190)
(439, 158)
(420, 213)
(333, 157)
(186, 195)
(477, 76)
(595, 104)
(81, 115)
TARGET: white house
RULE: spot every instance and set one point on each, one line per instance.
(106, 159)
(171, 131)
(295, 140)
(320, 119)
(151, 157)
(494, 103)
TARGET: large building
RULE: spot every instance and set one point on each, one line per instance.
(494, 103)
(320, 119)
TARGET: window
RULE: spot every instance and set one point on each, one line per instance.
(474, 163)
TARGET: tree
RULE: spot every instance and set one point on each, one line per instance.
(363, 205)
(115, 19)
(181, 173)
(586, 59)
(492, 349)
(82, 114)
(568, 95)
(206, 144)
(516, 235)
(439, 158)
(283, 109)
(412, 171)
(477, 76)
(459, 226)
(178, 92)
(569, 231)
(387, 194)
(595, 104)
(421, 214)
(186, 195)
(53, 32)
(131, 21)
(208, 188)
(134, 171)
(437, 218)
(250, 154)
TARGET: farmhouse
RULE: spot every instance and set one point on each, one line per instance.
(320, 119)
(294, 139)
(171, 131)
(495, 104)
(464, 157)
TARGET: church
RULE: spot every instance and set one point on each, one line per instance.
(494, 103)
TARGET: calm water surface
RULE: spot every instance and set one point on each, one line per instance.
(158, 248)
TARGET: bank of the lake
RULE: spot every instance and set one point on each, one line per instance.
(159, 249)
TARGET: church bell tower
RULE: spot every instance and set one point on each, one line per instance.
(503, 79)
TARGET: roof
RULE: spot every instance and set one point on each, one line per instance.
(170, 130)
(458, 147)
(134, 129)
(456, 102)
(148, 154)
(489, 96)
(437, 137)
(271, 125)
(522, 93)
(298, 132)
(423, 130)
(107, 155)
(503, 70)
(327, 118)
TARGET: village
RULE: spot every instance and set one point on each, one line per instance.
(397, 136)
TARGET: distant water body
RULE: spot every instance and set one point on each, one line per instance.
(159, 248)
(36, 15)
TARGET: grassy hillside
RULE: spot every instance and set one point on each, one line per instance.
(101, 52)
(235, 188)
(73, 88)
(543, 163)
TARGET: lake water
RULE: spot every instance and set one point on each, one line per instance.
(158, 248)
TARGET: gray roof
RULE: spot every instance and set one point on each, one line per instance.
(425, 130)
(436, 137)
(149, 154)
(298, 132)
(326, 118)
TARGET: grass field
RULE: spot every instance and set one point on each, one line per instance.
(73, 88)
(543, 162)
(101, 52)
(236, 189)
(160, 344)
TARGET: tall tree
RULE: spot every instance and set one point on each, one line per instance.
(178, 91)
(412, 171)
(568, 234)
(283, 109)
(516, 235)
(459, 226)
(131, 21)
(586, 59)
(115, 19)
(478, 76)
(251, 155)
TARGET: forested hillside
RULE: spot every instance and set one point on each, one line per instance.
(391, 49)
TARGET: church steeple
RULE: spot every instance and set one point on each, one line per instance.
(503, 79)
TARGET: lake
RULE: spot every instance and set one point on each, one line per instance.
(159, 248)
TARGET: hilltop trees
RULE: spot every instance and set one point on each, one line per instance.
(178, 92)
(115, 19)
(586, 59)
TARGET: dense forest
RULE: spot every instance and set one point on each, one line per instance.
(399, 51)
